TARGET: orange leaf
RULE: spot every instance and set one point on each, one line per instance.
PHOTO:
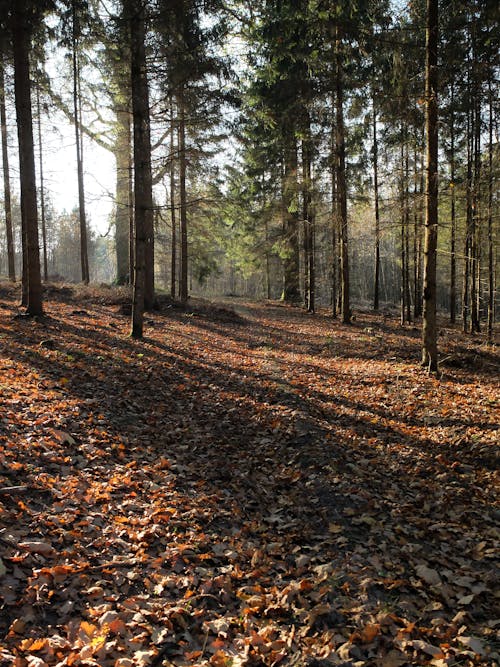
(369, 632)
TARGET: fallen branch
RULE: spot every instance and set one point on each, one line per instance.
(11, 490)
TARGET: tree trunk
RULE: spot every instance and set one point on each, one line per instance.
(491, 258)
(6, 176)
(131, 214)
(341, 183)
(453, 221)
(402, 239)
(173, 218)
(143, 195)
(21, 41)
(268, 263)
(84, 258)
(429, 324)
(123, 201)
(42, 193)
(417, 235)
(376, 287)
(468, 227)
(475, 231)
(309, 273)
(183, 281)
(334, 229)
(291, 270)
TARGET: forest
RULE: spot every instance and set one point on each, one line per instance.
(284, 146)
(249, 367)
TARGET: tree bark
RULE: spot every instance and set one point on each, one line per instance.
(173, 217)
(143, 196)
(453, 221)
(42, 186)
(475, 231)
(183, 281)
(123, 200)
(21, 40)
(6, 176)
(491, 257)
(429, 324)
(376, 287)
(308, 214)
(334, 229)
(341, 183)
(291, 268)
(77, 112)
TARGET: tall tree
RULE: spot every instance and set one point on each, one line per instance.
(134, 11)
(429, 324)
(77, 112)
(42, 185)
(190, 69)
(24, 17)
(6, 171)
(341, 179)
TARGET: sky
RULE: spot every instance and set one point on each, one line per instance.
(60, 174)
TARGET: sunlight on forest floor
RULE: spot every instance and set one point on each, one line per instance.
(249, 485)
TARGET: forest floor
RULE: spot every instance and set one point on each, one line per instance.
(248, 485)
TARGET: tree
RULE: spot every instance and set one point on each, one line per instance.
(42, 186)
(24, 16)
(6, 171)
(429, 324)
(190, 64)
(77, 111)
(143, 189)
(340, 178)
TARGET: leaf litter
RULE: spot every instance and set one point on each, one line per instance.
(249, 485)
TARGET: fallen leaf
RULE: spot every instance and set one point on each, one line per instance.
(474, 644)
(40, 548)
(428, 575)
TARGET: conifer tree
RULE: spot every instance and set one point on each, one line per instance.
(429, 324)
(134, 12)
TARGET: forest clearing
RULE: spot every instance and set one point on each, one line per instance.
(247, 485)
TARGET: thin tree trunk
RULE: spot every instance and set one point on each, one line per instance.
(309, 282)
(491, 262)
(468, 227)
(417, 235)
(123, 199)
(131, 214)
(407, 296)
(84, 260)
(268, 264)
(376, 288)
(403, 209)
(475, 231)
(6, 176)
(429, 324)
(142, 161)
(291, 269)
(334, 229)
(173, 219)
(42, 194)
(341, 182)
(183, 281)
(21, 40)
(453, 230)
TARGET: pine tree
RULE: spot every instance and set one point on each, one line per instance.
(25, 16)
(429, 323)
(134, 12)
(6, 168)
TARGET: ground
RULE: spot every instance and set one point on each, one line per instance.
(248, 485)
